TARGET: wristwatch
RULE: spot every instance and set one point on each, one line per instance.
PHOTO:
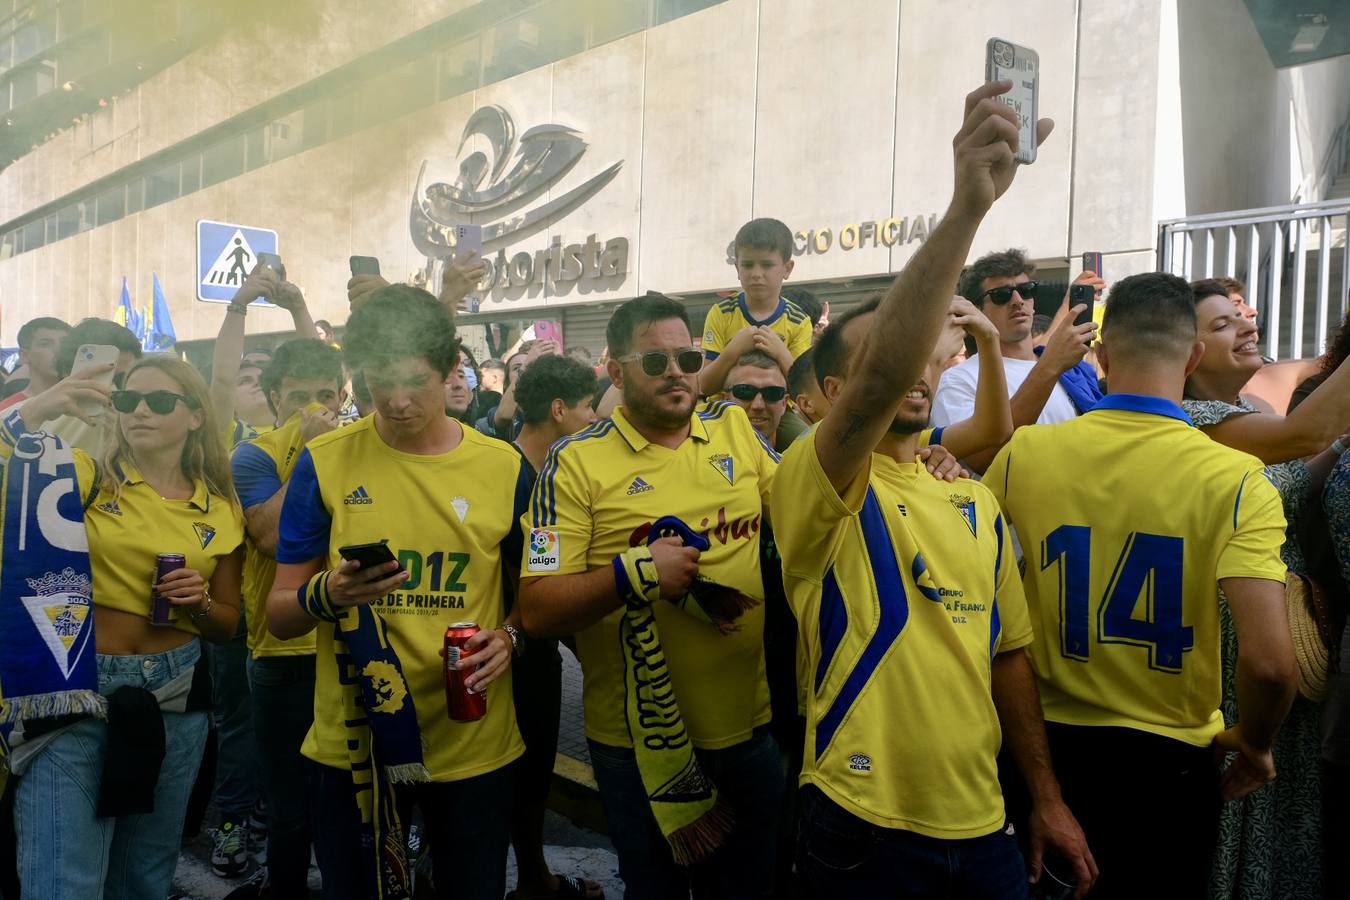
(517, 640)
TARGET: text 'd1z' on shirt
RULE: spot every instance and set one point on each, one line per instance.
(954, 400)
(1129, 516)
(598, 494)
(789, 321)
(450, 519)
(261, 466)
(904, 590)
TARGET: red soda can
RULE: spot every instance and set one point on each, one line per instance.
(162, 612)
(462, 704)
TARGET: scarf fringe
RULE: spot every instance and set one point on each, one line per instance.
(721, 604)
(407, 773)
(50, 706)
(704, 836)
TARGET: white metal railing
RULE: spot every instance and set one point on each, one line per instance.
(1295, 261)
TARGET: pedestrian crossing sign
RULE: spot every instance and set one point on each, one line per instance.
(226, 254)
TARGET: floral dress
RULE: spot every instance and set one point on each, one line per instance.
(1270, 842)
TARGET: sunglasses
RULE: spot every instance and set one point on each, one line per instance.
(746, 393)
(1001, 295)
(161, 403)
(655, 362)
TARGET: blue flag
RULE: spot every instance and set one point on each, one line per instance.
(128, 316)
(159, 333)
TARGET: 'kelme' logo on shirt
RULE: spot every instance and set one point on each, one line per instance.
(639, 487)
(724, 464)
(966, 507)
(358, 497)
(111, 508)
(205, 532)
(860, 762)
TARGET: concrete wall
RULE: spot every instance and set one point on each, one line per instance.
(782, 108)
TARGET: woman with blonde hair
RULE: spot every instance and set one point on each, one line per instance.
(104, 779)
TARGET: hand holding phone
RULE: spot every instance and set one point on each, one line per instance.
(378, 574)
(1006, 61)
(90, 356)
(273, 262)
(364, 265)
(468, 238)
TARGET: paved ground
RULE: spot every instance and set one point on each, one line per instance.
(571, 733)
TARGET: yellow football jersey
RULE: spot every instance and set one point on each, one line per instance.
(1129, 517)
(724, 320)
(598, 494)
(904, 591)
(451, 519)
(261, 466)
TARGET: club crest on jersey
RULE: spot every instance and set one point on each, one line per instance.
(724, 464)
(461, 507)
(545, 551)
(59, 610)
(966, 507)
(860, 762)
(110, 507)
(205, 532)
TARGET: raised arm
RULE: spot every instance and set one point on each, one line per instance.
(1308, 430)
(230, 341)
(910, 316)
(289, 298)
(992, 424)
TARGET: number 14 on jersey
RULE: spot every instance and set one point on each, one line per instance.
(1146, 579)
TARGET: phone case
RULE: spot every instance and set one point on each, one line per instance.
(1006, 61)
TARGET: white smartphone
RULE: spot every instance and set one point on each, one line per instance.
(90, 355)
(468, 237)
(1006, 61)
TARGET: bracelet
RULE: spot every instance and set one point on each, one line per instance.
(517, 643)
(240, 308)
(1338, 448)
(203, 613)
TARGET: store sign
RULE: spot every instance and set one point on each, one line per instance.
(506, 190)
(889, 232)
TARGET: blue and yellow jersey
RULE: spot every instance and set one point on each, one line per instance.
(261, 466)
(904, 589)
(452, 521)
(724, 320)
(598, 494)
(128, 528)
(1129, 517)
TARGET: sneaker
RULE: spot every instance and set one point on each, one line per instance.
(257, 822)
(257, 887)
(229, 857)
(414, 843)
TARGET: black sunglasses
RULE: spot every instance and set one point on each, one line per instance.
(746, 393)
(161, 403)
(655, 362)
(1001, 295)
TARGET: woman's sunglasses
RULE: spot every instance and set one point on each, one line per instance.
(746, 393)
(1001, 295)
(655, 362)
(161, 403)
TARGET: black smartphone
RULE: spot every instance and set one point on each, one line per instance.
(1082, 293)
(368, 555)
(1092, 262)
(273, 262)
(365, 265)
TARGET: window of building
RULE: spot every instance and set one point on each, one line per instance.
(49, 228)
(67, 222)
(667, 10)
(32, 236)
(136, 196)
(191, 174)
(223, 161)
(613, 19)
(458, 69)
(112, 205)
(161, 186)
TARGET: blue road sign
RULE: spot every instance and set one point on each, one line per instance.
(226, 253)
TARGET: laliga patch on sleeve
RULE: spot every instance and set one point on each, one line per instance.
(545, 551)
(709, 336)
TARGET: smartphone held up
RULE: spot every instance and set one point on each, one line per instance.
(1006, 61)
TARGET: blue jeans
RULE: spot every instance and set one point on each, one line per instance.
(283, 710)
(840, 855)
(236, 764)
(467, 827)
(66, 852)
(748, 775)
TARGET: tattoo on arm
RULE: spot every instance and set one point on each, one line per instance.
(856, 423)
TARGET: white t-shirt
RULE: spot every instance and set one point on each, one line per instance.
(954, 400)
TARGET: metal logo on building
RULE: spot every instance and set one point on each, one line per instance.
(496, 189)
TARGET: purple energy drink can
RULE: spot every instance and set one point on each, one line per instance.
(162, 612)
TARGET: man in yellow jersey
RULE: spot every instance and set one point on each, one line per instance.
(303, 385)
(907, 596)
(1132, 522)
(759, 318)
(447, 501)
(594, 506)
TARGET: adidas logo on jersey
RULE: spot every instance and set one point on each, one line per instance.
(639, 487)
(358, 497)
(111, 508)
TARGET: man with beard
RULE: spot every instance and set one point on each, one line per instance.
(667, 769)
(911, 610)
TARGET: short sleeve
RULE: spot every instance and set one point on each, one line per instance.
(558, 525)
(515, 539)
(799, 339)
(714, 333)
(996, 476)
(954, 400)
(807, 510)
(305, 522)
(1205, 413)
(255, 475)
(1010, 600)
(1258, 525)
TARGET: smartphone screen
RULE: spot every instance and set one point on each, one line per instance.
(273, 262)
(1005, 61)
(468, 237)
(365, 265)
(368, 555)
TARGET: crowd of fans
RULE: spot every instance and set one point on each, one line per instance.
(1048, 617)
